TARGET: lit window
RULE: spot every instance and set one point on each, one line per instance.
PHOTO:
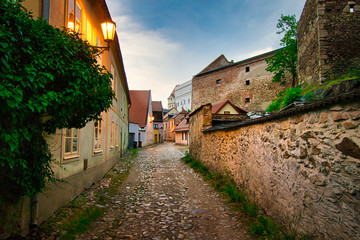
(97, 136)
(112, 135)
(218, 81)
(247, 69)
(247, 82)
(74, 16)
(351, 9)
(71, 142)
(226, 112)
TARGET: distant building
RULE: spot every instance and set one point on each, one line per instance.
(171, 122)
(158, 122)
(141, 131)
(182, 132)
(225, 111)
(171, 99)
(245, 83)
(183, 96)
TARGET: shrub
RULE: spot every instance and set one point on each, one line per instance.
(49, 80)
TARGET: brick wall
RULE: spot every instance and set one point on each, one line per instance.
(303, 169)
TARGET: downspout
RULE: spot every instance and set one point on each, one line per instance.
(45, 10)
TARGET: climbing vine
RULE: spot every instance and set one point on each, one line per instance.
(49, 80)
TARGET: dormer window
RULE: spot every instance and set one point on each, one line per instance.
(218, 81)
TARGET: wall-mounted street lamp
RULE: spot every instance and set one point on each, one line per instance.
(152, 118)
(108, 28)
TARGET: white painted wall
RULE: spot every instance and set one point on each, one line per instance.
(183, 96)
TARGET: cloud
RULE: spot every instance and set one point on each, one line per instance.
(254, 53)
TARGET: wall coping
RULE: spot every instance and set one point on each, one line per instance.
(305, 107)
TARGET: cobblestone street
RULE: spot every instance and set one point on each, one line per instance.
(164, 199)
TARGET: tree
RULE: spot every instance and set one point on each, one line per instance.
(49, 80)
(285, 60)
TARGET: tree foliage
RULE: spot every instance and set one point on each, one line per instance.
(49, 80)
(285, 60)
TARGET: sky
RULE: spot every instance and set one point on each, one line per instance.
(167, 42)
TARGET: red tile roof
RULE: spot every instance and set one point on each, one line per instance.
(139, 106)
(218, 106)
(156, 106)
(183, 126)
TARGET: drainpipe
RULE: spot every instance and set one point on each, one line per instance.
(45, 10)
(34, 213)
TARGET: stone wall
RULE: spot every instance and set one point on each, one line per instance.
(260, 91)
(303, 170)
(328, 39)
(308, 45)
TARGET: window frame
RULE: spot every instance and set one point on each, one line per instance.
(99, 139)
(74, 10)
(68, 156)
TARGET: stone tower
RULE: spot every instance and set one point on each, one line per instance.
(328, 39)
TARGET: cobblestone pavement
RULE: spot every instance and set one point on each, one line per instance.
(163, 198)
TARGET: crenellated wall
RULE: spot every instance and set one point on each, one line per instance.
(303, 169)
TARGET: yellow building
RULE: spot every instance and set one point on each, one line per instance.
(83, 156)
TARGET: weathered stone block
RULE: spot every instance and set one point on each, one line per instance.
(339, 116)
(355, 115)
(348, 147)
(336, 108)
(350, 125)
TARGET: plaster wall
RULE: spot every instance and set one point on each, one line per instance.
(181, 139)
(303, 170)
(227, 108)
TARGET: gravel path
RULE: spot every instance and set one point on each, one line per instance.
(163, 198)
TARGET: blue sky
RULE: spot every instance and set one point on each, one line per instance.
(166, 42)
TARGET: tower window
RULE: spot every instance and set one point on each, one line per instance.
(218, 81)
(247, 100)
(247, 69)
(247, 82)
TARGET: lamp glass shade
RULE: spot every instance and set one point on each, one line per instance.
(108, 29)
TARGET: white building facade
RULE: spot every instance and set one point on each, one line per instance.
(183, 96)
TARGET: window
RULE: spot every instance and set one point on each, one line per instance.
(112, 135)
(113, 79)
(155, 126)
(218, 81)
(71, 142)
(188, 100)
(226, 112)
(247, 82)
(74, 16)
(247, 69)
(117, 135)
(247, 100)
(182, 136)
(186, 136)
(97, 136)
(351, 9)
